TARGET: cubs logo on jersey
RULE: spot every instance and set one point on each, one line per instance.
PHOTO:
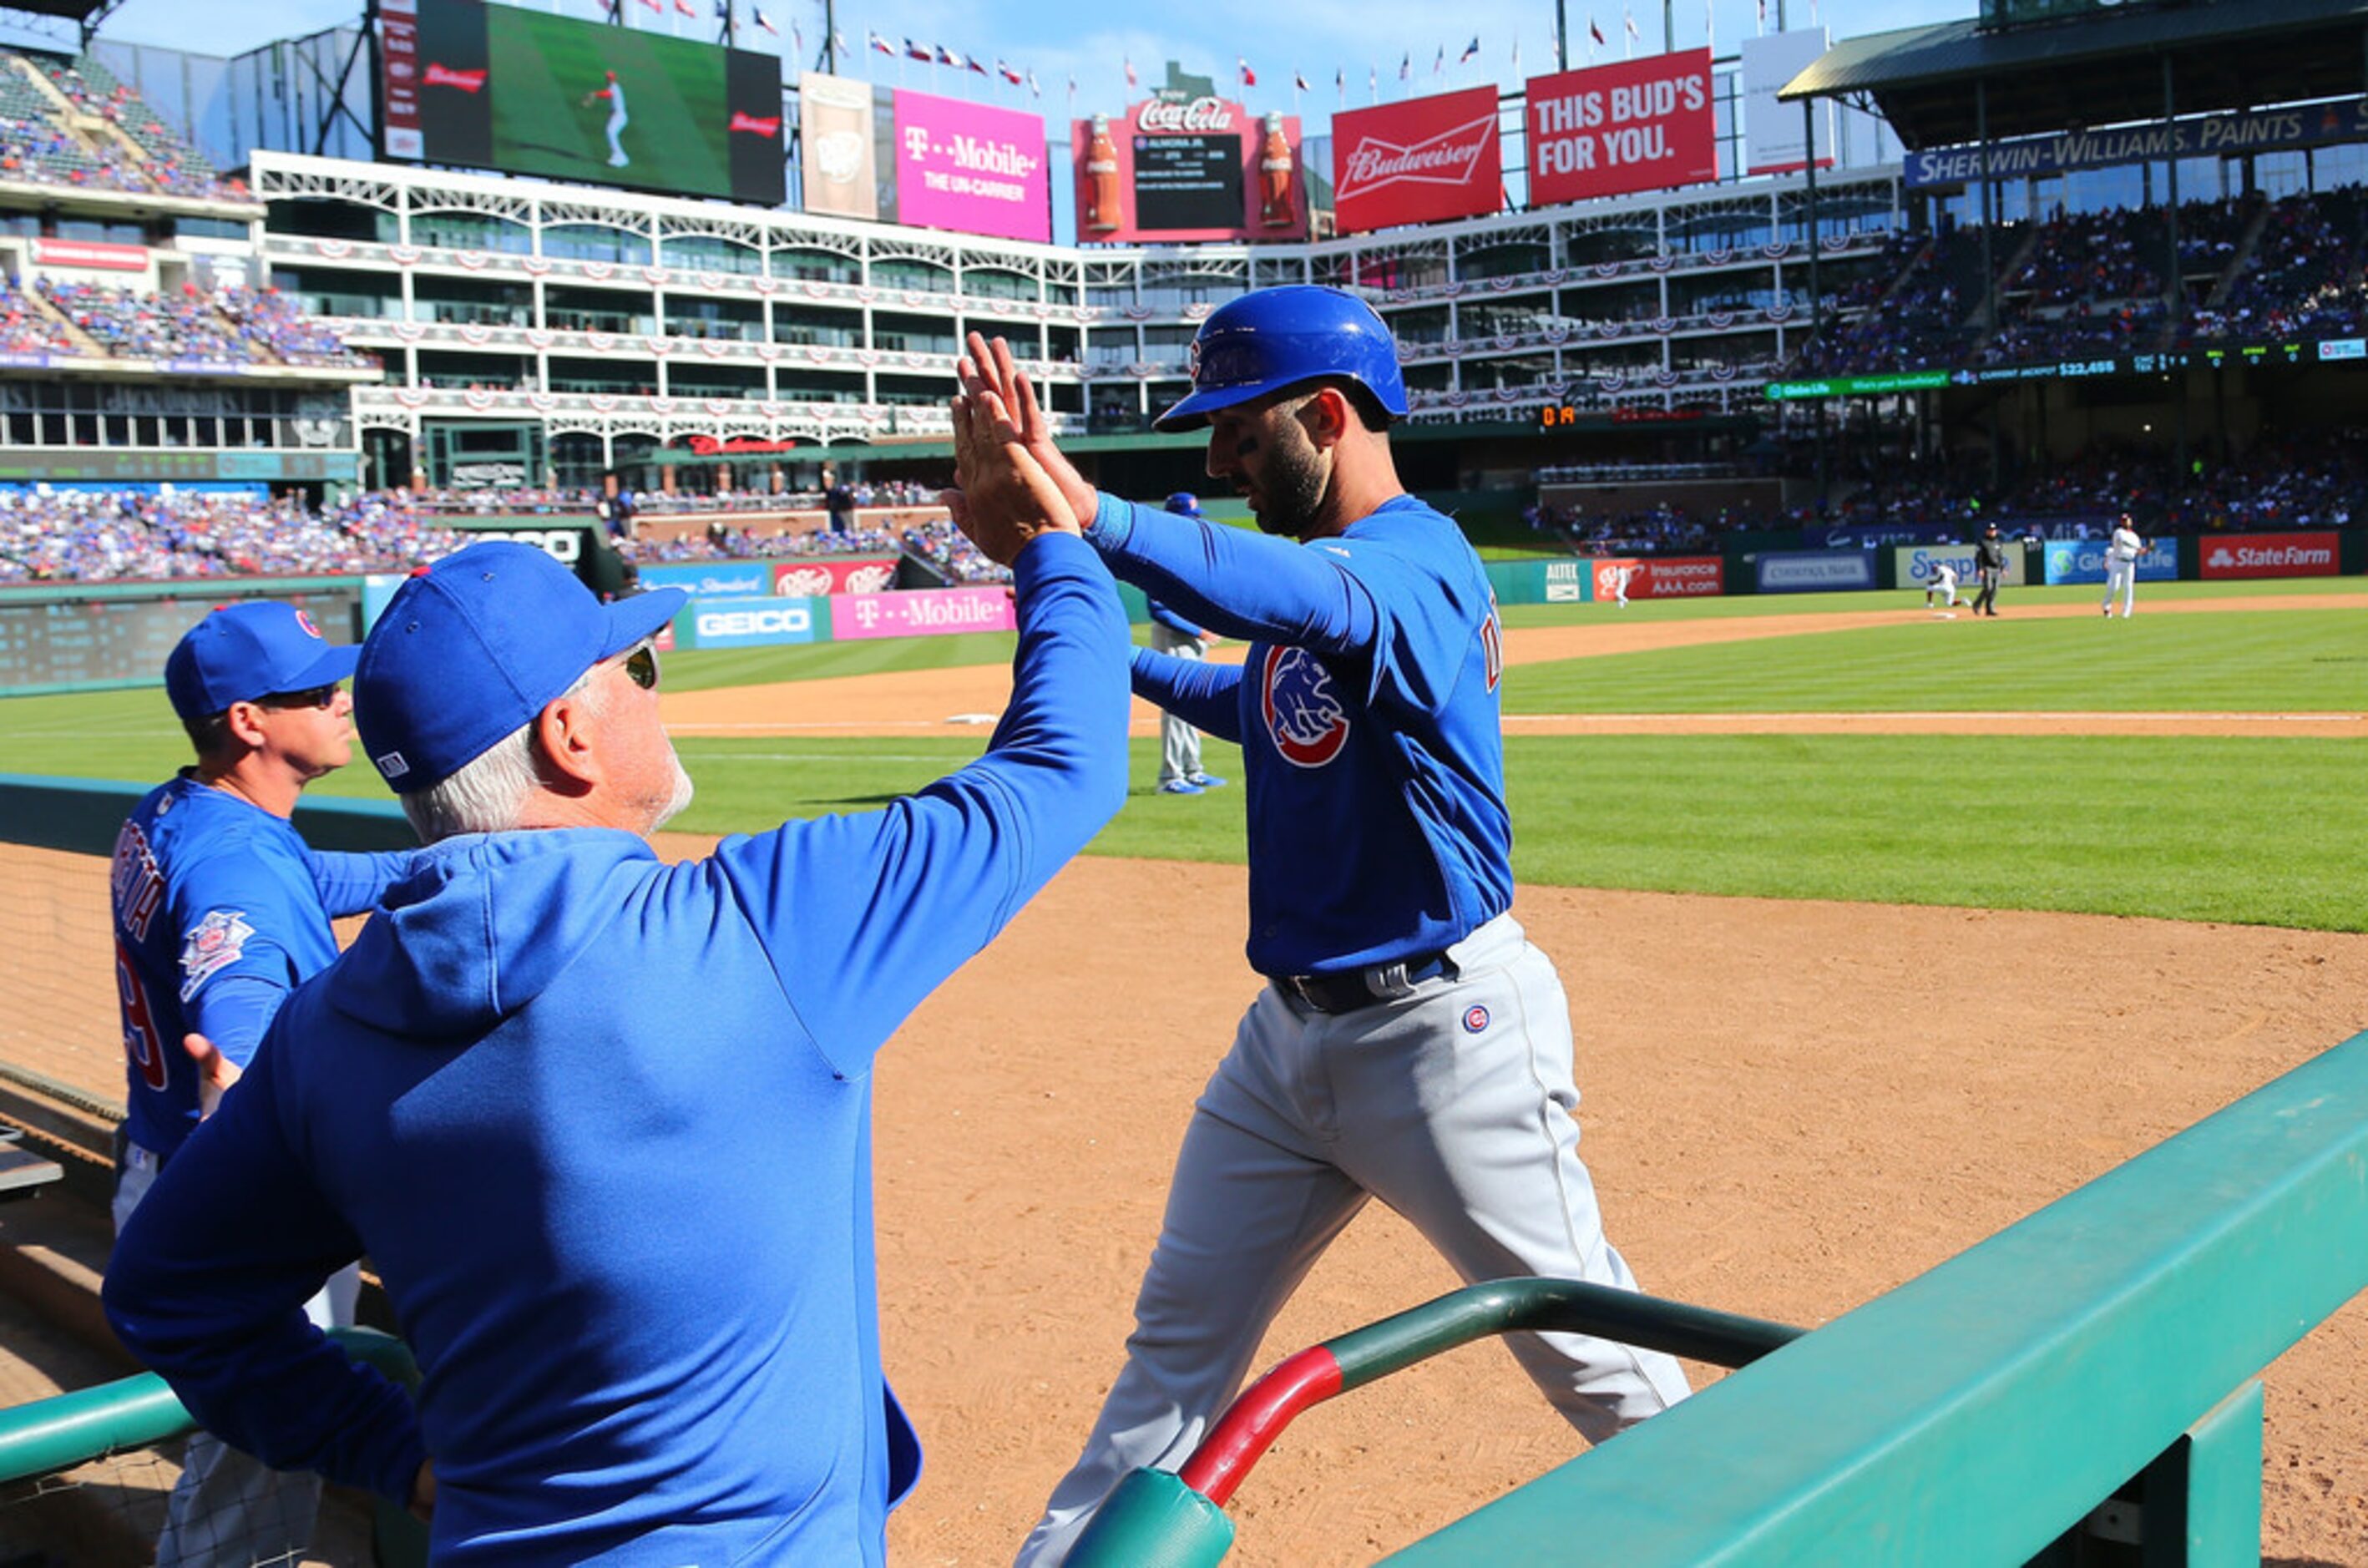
(1302, 707)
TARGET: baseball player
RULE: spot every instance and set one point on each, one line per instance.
(1944, 580)
(615, 93)
(1410, 1044)
(1180, 772)
(2121, 553)
(1621, 575)
(219, 909)
(601, 1122)
(1989, 570)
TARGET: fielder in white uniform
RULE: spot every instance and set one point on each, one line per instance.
(2121, 552)
(1944, 580)
(615, 93)
(1410, 1045)
(1621, 577)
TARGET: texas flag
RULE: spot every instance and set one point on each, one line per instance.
(765, 22)
(1008, 74)
(880, 45)
(919, 52)
(686, 9)
(1250, 77)
(1469, 49)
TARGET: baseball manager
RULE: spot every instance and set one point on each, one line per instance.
(603, 1123)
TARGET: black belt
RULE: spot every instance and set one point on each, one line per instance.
(1349, 990)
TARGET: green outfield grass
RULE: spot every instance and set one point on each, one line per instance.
(2254, 831)
(2244, 661)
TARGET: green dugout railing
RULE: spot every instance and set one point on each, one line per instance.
(2105, 1350)
(48, 1436)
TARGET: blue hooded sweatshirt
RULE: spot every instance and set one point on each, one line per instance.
(602, 1125)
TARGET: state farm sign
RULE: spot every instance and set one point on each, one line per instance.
(1639, 125)
(1417, 162)
(2272, 555)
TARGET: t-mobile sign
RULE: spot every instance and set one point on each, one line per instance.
(1639, 125)
(1417, 162)
(971, 168)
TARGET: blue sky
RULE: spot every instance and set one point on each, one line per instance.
(1061, 38)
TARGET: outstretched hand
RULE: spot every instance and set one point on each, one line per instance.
(989, 369)
(1005, 497)
(216, 1072)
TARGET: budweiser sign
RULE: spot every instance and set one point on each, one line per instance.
(1448, 158)
(445, 76)
(756, 125)
(1200, 114)
(1417, 162)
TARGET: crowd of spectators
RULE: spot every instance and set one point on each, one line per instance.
(939, 542)
(149, 156)
(50, 535)
(240, 326)
(722, 541)
(1664, 529)
(2091, 285)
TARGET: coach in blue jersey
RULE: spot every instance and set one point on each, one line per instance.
(1411, 1045)
(220, 910)
(602, 1123)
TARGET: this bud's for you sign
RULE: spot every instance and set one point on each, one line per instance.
(1639, 125)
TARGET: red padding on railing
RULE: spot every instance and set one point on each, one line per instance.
(1255, 1420)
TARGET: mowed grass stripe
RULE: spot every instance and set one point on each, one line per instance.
(2235, 661)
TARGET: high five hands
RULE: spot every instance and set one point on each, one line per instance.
(1012, 483)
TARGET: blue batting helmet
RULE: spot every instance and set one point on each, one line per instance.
(1184, 503)
(1275, 338)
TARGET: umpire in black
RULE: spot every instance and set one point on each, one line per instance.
(1989, 568)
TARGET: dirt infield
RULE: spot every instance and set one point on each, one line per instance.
(917, 700)
(1790, 1107)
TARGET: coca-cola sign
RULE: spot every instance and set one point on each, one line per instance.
(1158, 119)
(1176, 168)
(1417, 162)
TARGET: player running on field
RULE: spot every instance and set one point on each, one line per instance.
(1410, 1044)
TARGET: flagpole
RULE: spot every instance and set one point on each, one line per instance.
(1562, 35)
(830, 36)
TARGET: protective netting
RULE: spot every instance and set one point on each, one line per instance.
(106, 1514)
(59, 1019)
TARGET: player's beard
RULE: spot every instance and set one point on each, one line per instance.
(680, 797)
(1294, 482)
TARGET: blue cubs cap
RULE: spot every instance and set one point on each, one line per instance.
(471, 649)
(1184, 503)
(1275, 338)
(242, 652)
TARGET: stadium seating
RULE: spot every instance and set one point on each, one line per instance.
(92, 536)
(2094, 284)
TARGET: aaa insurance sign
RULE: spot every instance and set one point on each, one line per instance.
(1417, 162)
(1639, 125)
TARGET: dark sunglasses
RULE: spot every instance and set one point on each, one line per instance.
(311, 696)
(642, 668)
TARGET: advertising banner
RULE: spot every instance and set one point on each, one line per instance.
(806, 578)
(1664, 577)
(745, 623)
(1417, 162)
(531, 93)
(1917, 566)
(1638, 125)
(835, 118)
(1567, 581)
(713, 579)
(1173, 169)
(923, 612)
(2272, 555)
(2205, 136)
(1775, 135)
(2083, 560)
(1814, 571)
(398, 46)
(971, 168)
(91, 254)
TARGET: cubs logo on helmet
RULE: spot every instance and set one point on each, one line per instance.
(1302, 712)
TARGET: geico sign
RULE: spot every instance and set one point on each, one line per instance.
(754, 623)
(563, 545)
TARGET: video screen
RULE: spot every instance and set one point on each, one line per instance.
(1188, 182)
(528, 93)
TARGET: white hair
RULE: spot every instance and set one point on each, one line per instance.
(489, 792)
